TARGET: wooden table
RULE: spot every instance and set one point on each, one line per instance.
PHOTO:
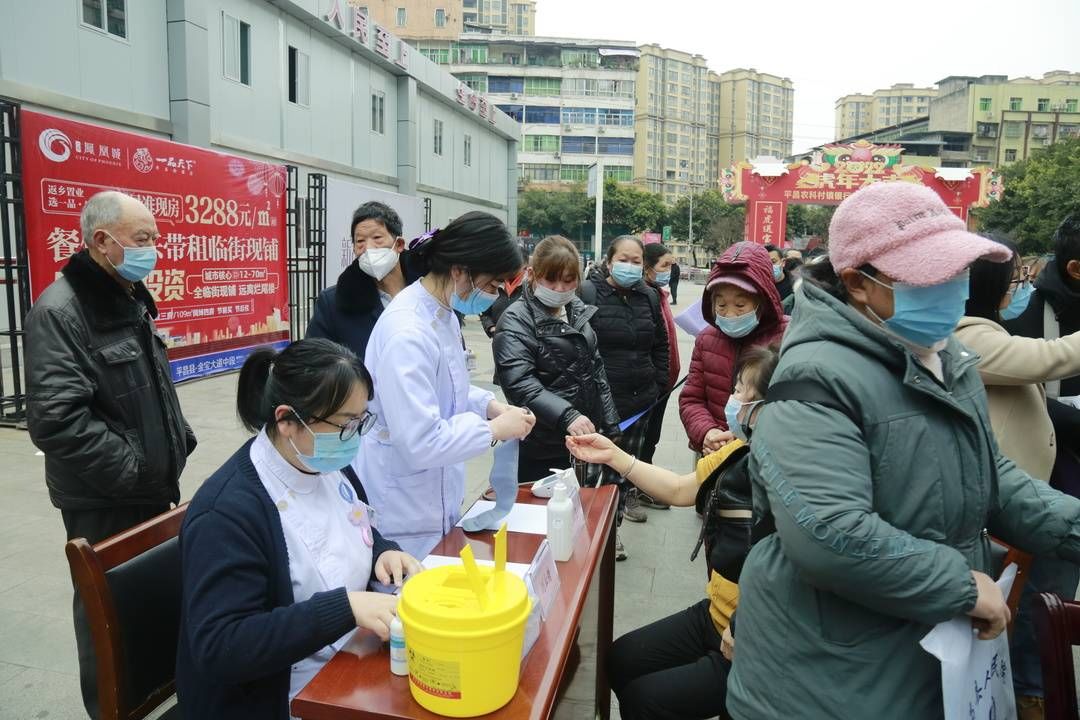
(357, 682)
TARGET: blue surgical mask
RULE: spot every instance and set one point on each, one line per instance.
(924, 316)
(138, 261)
(330, 452)
(777, 272)
(738, 326)
(732, 410)
(476, 303)
(626, 274)
(1018, 304)
(663, 278)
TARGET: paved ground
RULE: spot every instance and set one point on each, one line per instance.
(38, 666)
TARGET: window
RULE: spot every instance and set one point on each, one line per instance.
(500, 84)
(236, 37)
(477, 83)
(579, 116)
(984, 104)
(1015, 103)
(542, 114)
(619, 173)
(579, 145)
(299, 77)
(574, 173)
(440, 18)
(517, 112)
(1070, 105)
(439, 56)
(107, 15)
(544, 86)
(540, 173)
(437, 139)
(614, 116)
(401, 17)
(378, 113)
(541, 143)
(472, 54)
(1014, 129)
(1043, 105)
(468, 150)
(615, 146)
(1010, 155)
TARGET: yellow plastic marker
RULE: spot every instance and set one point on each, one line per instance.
(500, 549)
(473, 573)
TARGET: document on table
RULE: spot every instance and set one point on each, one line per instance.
(523, 518)
(432, 561)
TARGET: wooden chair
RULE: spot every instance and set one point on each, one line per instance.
(131, 587)
(1004, 555)
(1058, 622)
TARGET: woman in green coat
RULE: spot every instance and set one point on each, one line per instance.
(882, 498)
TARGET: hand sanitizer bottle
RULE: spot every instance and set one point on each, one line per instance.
(560, 524)
(399, 664)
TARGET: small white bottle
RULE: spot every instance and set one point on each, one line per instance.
(560, 524)
(399, 663)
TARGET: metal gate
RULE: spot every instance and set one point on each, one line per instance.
(307, 248)
(15, 275)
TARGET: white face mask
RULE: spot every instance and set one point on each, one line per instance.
(378, 262)
(552, 298)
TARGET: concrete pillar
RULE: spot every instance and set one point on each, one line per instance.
(511, 186)
(189, 72)
(408, 108)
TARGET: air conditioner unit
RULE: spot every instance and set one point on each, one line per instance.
(513, 96)
(556, 155)
(600, 131)
(567, 127)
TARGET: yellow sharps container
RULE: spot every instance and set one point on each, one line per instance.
(464, 630)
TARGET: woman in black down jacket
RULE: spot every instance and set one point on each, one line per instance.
(545, 352)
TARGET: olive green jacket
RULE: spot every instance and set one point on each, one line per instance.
(878, 525)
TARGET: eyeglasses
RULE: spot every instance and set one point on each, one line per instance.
(360, 424)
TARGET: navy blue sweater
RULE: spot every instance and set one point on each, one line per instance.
(240, 630)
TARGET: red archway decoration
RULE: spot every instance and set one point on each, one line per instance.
(768, 185)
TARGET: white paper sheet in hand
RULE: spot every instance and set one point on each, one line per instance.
(691, 319)
(530, 519)
(976, 676)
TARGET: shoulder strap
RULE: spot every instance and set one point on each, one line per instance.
(355, 481)
(1051, 331)
(809, 392)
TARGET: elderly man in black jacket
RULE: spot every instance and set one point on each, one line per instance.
(100, 401)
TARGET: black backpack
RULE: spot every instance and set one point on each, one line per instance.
(725, 499)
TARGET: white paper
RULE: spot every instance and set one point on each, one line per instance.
(976, 675)
(433, 561)
(691, 319)
(523, 518)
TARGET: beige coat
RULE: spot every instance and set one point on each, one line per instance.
(1013, 370)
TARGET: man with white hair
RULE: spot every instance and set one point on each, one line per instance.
(100, 401)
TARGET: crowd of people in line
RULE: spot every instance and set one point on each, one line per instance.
(862, 421)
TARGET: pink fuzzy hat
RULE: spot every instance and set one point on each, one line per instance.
(907, 232)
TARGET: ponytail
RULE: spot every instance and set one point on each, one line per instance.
(819, 271)
(476, 240)
(313, 376)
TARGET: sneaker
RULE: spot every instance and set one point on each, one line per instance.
(633, 510)
(620, 551)
(648, 501)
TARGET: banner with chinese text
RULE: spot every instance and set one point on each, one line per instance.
(220, 283)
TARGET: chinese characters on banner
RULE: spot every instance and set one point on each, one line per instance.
(770, 222)
(220, 282)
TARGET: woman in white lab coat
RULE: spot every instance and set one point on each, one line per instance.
(430, 418)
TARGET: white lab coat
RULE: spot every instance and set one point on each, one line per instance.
(430, 420)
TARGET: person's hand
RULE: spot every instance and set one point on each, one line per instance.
(496, 408)
(513, 423)
(595, 449)
(990, 615)
(716, 439)
(727, 644)
(374, 611)
(395, 565)
(581, 426)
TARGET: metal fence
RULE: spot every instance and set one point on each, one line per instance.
(15, 275)
(307, 249)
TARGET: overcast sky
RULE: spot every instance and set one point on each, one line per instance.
(831, 48)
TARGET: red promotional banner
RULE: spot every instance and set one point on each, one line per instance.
(220, 282)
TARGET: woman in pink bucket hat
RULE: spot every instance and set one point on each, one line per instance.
(877, 478)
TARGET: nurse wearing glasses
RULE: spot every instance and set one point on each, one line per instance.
(278, 547)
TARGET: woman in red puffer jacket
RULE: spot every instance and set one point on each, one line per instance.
(743, 310)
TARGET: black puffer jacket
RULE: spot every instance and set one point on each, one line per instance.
(100, 400)
(632, 338)
(552, 367)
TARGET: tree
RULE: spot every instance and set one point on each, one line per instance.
(709, 206)
(1039, 193)
(556, 212)
(631, 210)
(805, 220)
